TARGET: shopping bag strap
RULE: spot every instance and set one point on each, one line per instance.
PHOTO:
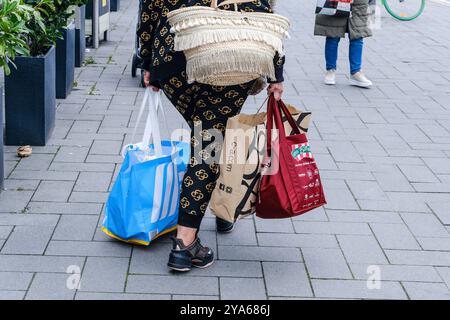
(159, 107)
(274, 109)
(152, 100)
(151, 131)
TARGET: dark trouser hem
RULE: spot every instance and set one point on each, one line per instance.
(189, 220)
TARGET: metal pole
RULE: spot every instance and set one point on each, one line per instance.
(95, 24)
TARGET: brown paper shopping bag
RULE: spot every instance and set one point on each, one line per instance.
(234, 196)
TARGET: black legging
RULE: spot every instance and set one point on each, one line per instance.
(209, 107)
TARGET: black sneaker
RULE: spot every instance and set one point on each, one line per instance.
(183, 258)
(224, 226)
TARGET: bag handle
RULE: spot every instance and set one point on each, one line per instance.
(274, 109)
(224, 3)
(152, 100)
(152, 126)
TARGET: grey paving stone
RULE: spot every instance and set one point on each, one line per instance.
(438, 165)
(193, 297)
(366, 190)
(424, 225)
(65, 208)
(226, 268)
(242, 289)
(33, 263)
(44, 175)
(88, 248)
(50, 286)
(104, 274)
(437, 244)
(441, 210)
(75, 227)
(363, 216)
(250, 253)
(444, 272)
(5, 231)
(54, 191)
(35, 162)
(286, 279)
(344, 152)
(243, 234)
(340, 199)
(20, 185)
(71, 154)
(150, 260)
(173, 284)
(394, 236)
(313, 215)
(85, 126)
(397, 272)
(14, 201)
(18, 219)
(87, 167)
(326, 263)
(393, 180)
(15, 281)
(12, 295)
(93, 181)
(297, 240)
(281, 225)
(310, 227)
(357, 289)
(106, 147)
(418, 173)
(89, 196)
(119, 296)
(421, 258)
(28, 240)
(427, 291)
(361, 249)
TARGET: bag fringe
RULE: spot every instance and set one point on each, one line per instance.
(186, 41)
(232, 63)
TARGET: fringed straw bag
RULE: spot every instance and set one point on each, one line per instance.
(227, 47)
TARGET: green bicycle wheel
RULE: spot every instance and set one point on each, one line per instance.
(404, 10)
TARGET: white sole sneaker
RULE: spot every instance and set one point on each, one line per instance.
(360, 84)
(329, 82)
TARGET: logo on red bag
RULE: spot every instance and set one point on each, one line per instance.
(301, 151)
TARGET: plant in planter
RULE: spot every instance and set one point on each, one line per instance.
(13, 17)
(65, 48)
(30, 102)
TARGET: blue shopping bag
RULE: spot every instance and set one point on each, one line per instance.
(143, 203)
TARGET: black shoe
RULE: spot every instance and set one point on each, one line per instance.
(183, 258)
(224, 226)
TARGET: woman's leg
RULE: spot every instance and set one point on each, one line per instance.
(331, 52)
(213, 106)
(355, 55)
(206, 109)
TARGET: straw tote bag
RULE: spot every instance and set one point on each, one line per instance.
(225, 47)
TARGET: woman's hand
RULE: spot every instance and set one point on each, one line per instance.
(276, 89)
(147, 81)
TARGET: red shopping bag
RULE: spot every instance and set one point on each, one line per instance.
(294, 187)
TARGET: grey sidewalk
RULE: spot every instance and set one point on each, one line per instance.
(384, 155)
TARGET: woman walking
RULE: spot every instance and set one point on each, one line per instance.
(201, 105)
(334, 28)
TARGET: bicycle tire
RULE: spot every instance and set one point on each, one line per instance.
(403, 18)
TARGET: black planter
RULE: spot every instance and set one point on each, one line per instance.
(2, 172)
(114, 5)
(80, 36)
(65, 62)
(30, 102)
